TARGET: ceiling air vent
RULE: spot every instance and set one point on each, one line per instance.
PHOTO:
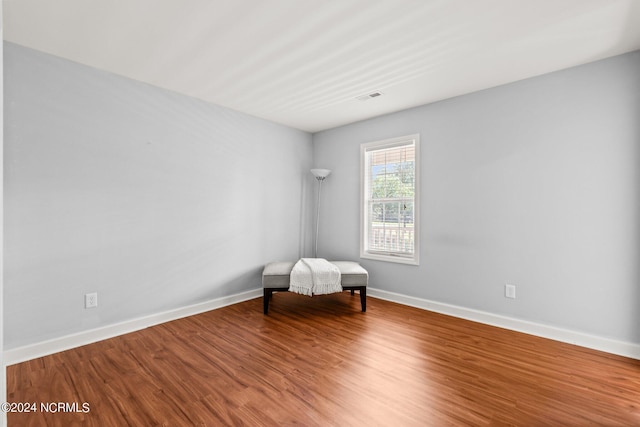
(368, 96)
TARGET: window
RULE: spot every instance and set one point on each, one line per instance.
(389, 200)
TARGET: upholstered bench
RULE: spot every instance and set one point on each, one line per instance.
(275, 278)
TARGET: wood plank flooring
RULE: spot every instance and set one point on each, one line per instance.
(322, 362)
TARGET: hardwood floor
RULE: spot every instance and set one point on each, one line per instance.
(322, 362)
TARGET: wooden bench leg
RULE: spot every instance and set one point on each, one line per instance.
(363, 298)
(265, 299)
(352, 292)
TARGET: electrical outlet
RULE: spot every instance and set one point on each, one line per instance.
(91, 300)
(510, 291)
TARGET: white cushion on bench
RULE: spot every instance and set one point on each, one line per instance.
(276, 274)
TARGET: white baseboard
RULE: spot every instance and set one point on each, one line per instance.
(28, 352)
(21, 354)
(594, 342)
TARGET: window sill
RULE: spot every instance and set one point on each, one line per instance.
(390, 258)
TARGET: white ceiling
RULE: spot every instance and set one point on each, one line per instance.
(302, 63)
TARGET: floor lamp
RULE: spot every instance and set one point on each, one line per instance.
(321, 175)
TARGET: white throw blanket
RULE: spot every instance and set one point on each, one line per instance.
(314, 276)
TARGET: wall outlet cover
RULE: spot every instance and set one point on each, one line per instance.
(91, 300)
(510, 291)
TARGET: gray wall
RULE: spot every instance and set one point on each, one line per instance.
(157, 201)
(152, 199)
(534, 183)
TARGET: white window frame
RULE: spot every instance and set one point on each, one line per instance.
(365, 252)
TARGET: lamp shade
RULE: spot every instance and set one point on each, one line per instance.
(320, 173)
